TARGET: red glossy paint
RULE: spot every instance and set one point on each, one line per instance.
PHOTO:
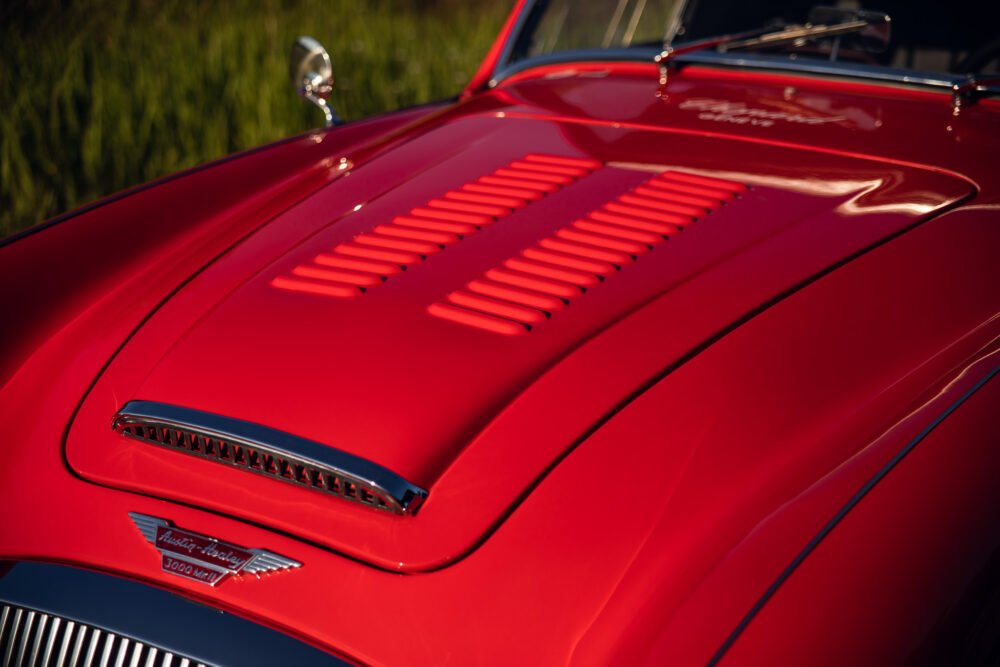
(732, 328)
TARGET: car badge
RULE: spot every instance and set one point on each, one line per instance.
(202, 558)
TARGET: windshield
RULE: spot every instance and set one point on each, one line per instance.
(926, 36)
(566, 25)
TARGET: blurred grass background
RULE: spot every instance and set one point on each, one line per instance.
(96, 96)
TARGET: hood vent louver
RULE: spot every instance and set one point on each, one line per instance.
(526, 290)
(268, 452)
(372, 258)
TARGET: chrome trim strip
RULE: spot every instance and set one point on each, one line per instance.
(25, 636)
(14, 627)
(823, 67)
(51, 640)
(36, 644)
(64, 647)
(742, 61)
(326, 469)
(123, 653)
(858, 496)
(81, 634)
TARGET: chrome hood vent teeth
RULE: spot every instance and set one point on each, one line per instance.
(269, 452)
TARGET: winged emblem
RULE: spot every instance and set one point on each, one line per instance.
(203, 558)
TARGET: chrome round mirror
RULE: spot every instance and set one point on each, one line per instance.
(312, 75)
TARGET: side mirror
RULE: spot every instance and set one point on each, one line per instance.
(312, 75)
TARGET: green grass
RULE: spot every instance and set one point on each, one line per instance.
(99, 96)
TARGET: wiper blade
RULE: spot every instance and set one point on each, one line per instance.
(795, 34)
(758, 39)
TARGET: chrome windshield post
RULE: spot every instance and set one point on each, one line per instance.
(966, 92)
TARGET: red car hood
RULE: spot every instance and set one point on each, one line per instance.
(422, 371)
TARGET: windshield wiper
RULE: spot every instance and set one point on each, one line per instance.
(758, 39)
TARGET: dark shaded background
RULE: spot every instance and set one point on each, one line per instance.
(99, 96)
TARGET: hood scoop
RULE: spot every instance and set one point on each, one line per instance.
(269, 452)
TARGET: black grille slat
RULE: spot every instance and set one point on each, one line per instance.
(31, 638)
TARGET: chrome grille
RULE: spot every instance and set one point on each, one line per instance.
(30, 638)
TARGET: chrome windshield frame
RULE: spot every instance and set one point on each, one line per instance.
(935, 81)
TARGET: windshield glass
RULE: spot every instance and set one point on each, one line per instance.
(565, 25)
(960, 38)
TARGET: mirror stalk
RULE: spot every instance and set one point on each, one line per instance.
(312, 76)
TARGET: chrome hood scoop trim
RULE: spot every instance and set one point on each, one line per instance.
(270, 452)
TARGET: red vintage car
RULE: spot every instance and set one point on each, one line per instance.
(672, 340)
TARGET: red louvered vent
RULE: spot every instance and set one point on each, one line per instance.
(371, 258)
(528, 289)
